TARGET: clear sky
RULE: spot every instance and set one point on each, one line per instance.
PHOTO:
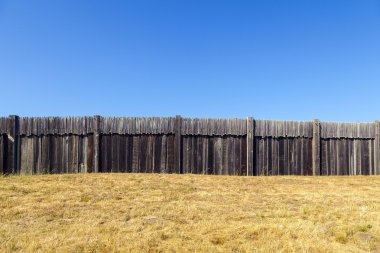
(295, 60)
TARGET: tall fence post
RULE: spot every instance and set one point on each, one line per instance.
(177, 144)
(250, 144)
(316, 148)
(376, 147)
(13, 133)
(96, 123)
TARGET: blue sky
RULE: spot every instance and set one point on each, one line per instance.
(295, 60)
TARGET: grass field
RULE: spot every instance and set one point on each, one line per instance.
(188, 213)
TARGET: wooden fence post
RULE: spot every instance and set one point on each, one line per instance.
(96, 123)
(376, 147)
(250, 144)
(177, 144)
(316, 148)
(13, 133)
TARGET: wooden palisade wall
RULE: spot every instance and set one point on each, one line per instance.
(41, 145)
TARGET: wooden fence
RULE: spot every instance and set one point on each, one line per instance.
(40, 145)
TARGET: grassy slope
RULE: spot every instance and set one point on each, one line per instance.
(189, 213)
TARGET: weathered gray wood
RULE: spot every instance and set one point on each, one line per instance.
(2, 154)
(347, 130)
(134, 125)
(213, 127)
(177, 144)
(207, 146)
(316, 147)
(283, 128)
(250, 146)
(13, 132)
(96, 143)
(376, 149)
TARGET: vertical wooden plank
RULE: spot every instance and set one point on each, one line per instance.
(323, 157)
(143, 153)
(365, 157)
(268, 156)
(332, 155)
(260, 165)
(281, 156)
(76, 161)
(59, 140)
(250, 146)
(54, 154)
(24, 161)
(359, 157)
(302, 156)
(157, 154)
(237, 162)
(103, 155)
(351, 156)
(38, 155)
(185, 154)
(199, 153)
(204, 155)
(344, 157)
(296, 156)
(89, 149)
(109, 156)
(70, 155)
(150, 154)
(337, 155)
(45, 154)
(211, 164)
(243, 155)
(135, 153)
(65, 153)
(2, 154)
(275, 166)
(371, 165)
(286, 156)
(96, 143)
(177, 144)
(122, 153)
(225, 154)
(218, 144)
(163, 157)
(114, 153)
(13, 144)
(170, 154)
(293, 154)
(355, 165)
(130, 154)
(191, 151)
(316, 147)
(376, 149)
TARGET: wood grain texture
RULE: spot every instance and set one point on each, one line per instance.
(137, 153)
(316, 148)
(376, 149)
(40, 145)
(210, 127)
(279, 156)
(218, 155)
(250, 146)
(177, 144)
(347, 157)
(283, 128)
(53, 154)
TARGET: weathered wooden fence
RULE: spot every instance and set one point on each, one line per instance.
(40, 145)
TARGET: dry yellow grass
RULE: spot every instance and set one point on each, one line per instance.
(188, 213)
